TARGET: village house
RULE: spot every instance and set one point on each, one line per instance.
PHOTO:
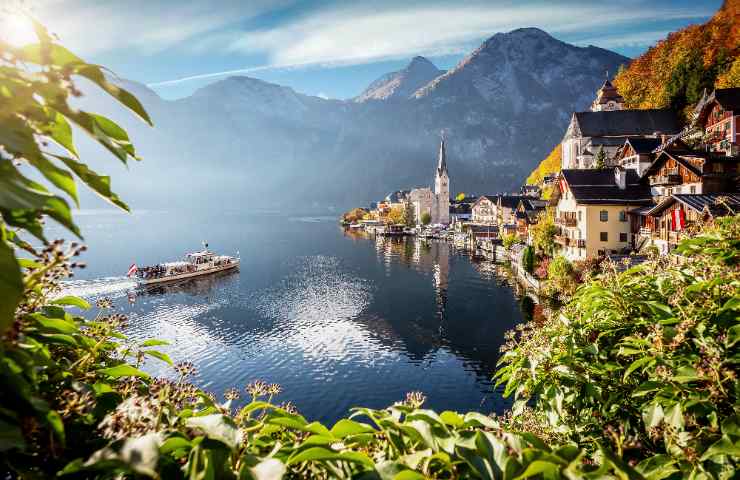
(637, 153)
(527, 213)
(607, 126)
(483, 211)
(666, 223)
(718, 114)
(591, 212)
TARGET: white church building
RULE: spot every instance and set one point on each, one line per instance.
(435, 203)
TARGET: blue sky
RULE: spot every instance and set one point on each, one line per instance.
(331, 48)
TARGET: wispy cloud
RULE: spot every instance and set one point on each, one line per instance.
(146, 26)
(636, 39)
(345, 34)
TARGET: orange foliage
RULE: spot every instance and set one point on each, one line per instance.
(643, 83)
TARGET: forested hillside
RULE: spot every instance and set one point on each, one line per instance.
(677, 69)
(675, 72)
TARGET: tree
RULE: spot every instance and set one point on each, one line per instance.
(409, 215)
(354, 215)
(528, 258)
(395, 215)
(509, 240)
(600, 158)
(426, 218)
(543, 234)
(561, 281)
(460, 197)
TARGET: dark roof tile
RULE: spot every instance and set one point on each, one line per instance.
(627, 122)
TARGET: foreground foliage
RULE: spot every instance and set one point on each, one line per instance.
(643, 363)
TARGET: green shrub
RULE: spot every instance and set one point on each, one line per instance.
(509, 240)
(643, 362)
(561, 278)
(528, 258)
(426, 218)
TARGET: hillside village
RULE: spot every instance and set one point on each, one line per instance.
(632, 182)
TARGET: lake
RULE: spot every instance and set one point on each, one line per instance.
(338, 319)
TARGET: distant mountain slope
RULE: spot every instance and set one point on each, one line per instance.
(247, 143)
(402, 84)
(677, 69)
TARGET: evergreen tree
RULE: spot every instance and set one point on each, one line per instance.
(600, 158)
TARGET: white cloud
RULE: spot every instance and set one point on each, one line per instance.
(360, 34)
(91, 27)
(637, 39)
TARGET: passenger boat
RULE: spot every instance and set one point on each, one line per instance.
(194, 264)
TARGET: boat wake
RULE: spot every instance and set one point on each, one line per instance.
(112, 287)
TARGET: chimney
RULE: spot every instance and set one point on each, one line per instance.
(620, 177)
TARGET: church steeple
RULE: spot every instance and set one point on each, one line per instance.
(442, 163)
(607, 98)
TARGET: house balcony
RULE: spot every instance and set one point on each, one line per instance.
(580, 243)
(566, 221)
(672, 177)
(561, 240)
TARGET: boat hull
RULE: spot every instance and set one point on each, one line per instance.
(180, 276)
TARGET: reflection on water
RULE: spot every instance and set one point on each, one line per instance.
(338, 318)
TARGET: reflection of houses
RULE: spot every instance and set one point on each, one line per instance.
(591, 212)
(461, 210)
(607, 126)
(719, 117)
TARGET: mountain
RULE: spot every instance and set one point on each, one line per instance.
(248, 143)
(677, 69)
(402, 84)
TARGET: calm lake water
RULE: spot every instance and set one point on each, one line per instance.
(339, 320)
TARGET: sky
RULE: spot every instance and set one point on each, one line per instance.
(330, 48)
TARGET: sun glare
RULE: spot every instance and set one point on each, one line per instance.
(16, 29)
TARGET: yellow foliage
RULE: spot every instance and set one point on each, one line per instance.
(551, 164)
(731, 78)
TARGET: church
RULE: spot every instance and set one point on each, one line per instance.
(435, 203)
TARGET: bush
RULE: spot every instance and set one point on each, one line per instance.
(643, 362)
(509, 240)
(543, 267)
(561, 279)
(426, 218)
(528, 259)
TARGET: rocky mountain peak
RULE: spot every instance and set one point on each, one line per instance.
(401, 84)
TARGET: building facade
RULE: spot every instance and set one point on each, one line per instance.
(435, 203)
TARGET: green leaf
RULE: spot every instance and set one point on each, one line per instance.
(216, 427)
(100, 184)
(93, 73)
(72, 301)
(175, 443)
(48, 53)
(320, 454)
(11, 437)
(652, 415)
(57, 426)
(723, 446)
(56, 325)
(140, 454)
(11, 284)
(153, 343)
(452, 418)
(640, 362)
(344, 428)
(539, 467)
(409, 475)
(123, 371)
(156, 354)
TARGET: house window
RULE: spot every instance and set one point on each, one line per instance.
(604, 216)
(579, 215)
(622, 216)
(623, 237)
(693, 189)
(604, 236)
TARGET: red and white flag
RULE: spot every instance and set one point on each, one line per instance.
(132, 270)
(679, 219)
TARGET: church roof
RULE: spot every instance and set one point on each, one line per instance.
(626, 122)
(643, 145)
(608, 92)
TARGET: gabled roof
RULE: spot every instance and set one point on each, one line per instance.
(679, 155)
(509, 201)
(728, 99)
(598, 187)
(626, 122)
(643, 145)
(713, 203)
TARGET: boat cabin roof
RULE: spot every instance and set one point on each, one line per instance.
(204, 253)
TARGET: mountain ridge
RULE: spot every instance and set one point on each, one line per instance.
(501, 108)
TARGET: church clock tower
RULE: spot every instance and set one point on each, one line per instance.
(442, 189)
